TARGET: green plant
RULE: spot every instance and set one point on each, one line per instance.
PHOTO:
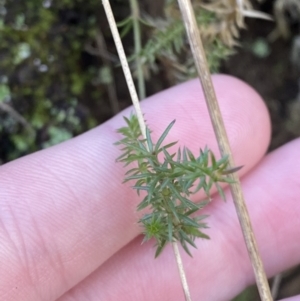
(167, 43)
(44, 84)
(168, 180)
(166, 46)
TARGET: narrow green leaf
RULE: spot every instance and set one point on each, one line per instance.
(127, 120)
(152, 188)
(163, 168)
(190, 155)
(149, 140)
(160, 247)
(183, 166)
(213, 160)
(132, 158)
(142, 146)
(204, 203)
(203, 159)
(185, 247)
(207, 186)
(121, 24)
(143, 204)
(191, 211)
(184, 155)
(163, 136)
(164, 183)
(139, 176)
(195, 232)
(226, 180)
(188, 221)
(167, 146)
(151, 162)
(232, 170)
(202, 235)
(169, 157)
(140, 182)
(170, 230)
(189, 203)
(202, 217)
(201, 184)
(145, 238)
(126, 28)
(184, 200)
(221, 191)
(123, 156)
(173, 209)
(187, 239)
(146, 217)
(223, 160)
(179, 155)
(176, 174)
(136, 148)
(188, 185)
(132, 170)
(146, 188)
(144, 22)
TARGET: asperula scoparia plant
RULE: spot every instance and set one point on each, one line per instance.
(171, 210)
(169, 179)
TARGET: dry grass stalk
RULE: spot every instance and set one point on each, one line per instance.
(221, 135)
(181, 272)
(136, 104)
(282, 9)
(230, 18)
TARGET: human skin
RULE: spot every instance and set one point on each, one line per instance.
(68, 226)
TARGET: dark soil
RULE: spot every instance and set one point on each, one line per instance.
(274, 77)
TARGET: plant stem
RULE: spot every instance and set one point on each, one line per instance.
(136, 104)
(111, 87)
(18, 117)
(124, 63)
(276, 285)
(138, 47)
(221, 135)
(184, 283)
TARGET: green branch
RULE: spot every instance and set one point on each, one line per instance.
(138, 47)
(169, 179)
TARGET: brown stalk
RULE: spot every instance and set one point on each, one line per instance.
(221, 135)
(136, 104)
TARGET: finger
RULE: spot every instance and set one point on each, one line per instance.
(64, 210)
(272, 193)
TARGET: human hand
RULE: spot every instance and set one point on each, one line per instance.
(68, 226)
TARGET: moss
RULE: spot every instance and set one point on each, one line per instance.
(50, 78)
(41, 51)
